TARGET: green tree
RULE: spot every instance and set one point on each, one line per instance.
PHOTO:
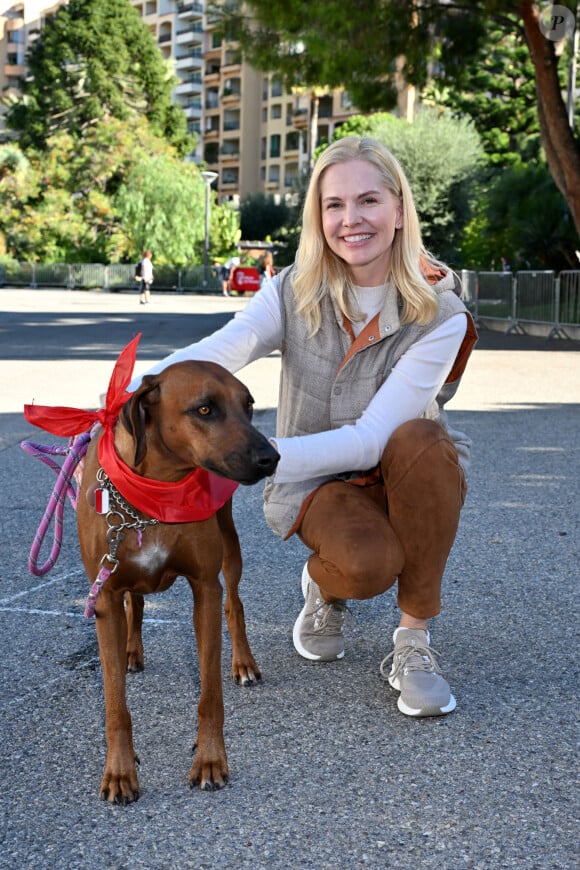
(95, 59)
(366, 45)
(102, 196)
(224, 232)
(524, 218)
(161, 206)
(496, 90)
(262, 216)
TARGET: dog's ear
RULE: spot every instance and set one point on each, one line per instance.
(135, 412)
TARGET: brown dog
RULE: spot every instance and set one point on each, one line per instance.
(192, 415)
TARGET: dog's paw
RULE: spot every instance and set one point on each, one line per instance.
(135, 665)
(120, 790)
(246, 673)
(117, 792)
(208, 775)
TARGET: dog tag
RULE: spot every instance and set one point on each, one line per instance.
(101, 500)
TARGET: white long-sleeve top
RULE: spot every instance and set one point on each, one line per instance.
(408, 391)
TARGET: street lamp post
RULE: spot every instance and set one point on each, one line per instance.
(209, 177)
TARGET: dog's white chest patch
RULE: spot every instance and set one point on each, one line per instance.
(151, 557)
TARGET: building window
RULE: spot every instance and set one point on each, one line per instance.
(263, 148)
(274, 175)
(345, 101)
(276, 111)
(231, 120)
(212, 100)
(291, 175)
(292, 141)
(210, 152)
(325, 107)
(231, 175)
(275, 146)
(231, 148)
(232, 88)
(276, 88)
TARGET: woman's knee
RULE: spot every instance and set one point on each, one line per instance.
(418, 435)
(421, 447)
(363, 570)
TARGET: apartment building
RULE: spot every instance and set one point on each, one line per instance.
(251, 131)
(178, 29)
(20, 24)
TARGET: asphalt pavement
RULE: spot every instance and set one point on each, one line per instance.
(325, 772)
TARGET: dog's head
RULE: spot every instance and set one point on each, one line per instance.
(192, 415)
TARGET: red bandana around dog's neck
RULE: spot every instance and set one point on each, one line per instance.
(197, 497)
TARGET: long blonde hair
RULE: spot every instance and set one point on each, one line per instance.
(320, 272)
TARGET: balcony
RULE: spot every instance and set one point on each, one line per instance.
(189, 61)
(189, 10)
(229, 95)
(187, 37)
(13, 23)
(230, 150)
(14, 70)
(211, 133)
(189, 86)
(300, 119)
(192, 111)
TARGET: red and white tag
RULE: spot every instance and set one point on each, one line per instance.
(101, 500)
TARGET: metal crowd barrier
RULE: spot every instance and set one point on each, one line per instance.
(114, 277)
(526, 301)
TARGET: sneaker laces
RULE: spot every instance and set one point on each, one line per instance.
(331, 616)
(411, 656)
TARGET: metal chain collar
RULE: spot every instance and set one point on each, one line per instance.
(117, 522)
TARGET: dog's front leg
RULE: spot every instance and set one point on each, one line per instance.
(120, 783)
(210, 768)
(245, 671)
(134, 606)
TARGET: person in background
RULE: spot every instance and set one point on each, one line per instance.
(227, 273)
(146, 278)
(374, 340)
(266, 267)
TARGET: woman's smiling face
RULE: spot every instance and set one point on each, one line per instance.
(359, 218)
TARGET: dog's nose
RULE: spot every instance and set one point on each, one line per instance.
(267, 458)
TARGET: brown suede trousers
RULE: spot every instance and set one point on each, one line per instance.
(365, 538)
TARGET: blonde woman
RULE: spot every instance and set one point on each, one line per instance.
(374, 340)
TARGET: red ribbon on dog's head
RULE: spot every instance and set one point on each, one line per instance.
(72, 421)
(197, 497)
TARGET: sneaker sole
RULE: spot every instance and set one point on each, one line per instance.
(428, 711)
(296, 631)
(422, 711)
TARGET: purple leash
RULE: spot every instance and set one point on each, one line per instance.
(64, 487)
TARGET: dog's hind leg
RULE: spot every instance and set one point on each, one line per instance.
(134, 605)
(245, 671)
(120, 783)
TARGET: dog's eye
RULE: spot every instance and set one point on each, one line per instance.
(204, 410)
